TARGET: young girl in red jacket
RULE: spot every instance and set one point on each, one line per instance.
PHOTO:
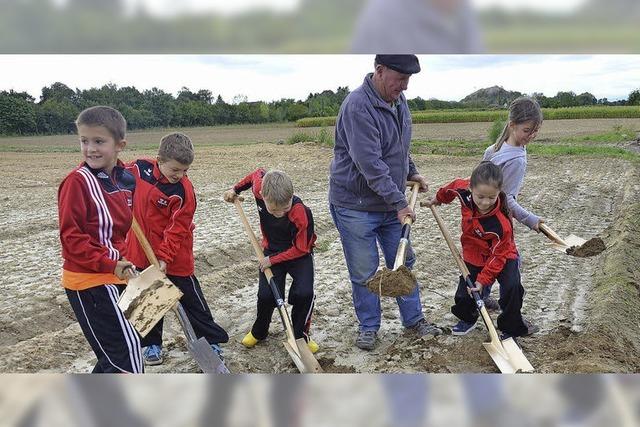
(488, 250)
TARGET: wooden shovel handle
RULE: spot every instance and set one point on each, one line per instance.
(415, 186)
(146, 246)
(252, 236)
(452, 246)
(552, 235)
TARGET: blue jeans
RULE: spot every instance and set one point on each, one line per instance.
(360, 231)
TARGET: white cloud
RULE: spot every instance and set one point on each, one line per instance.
(271, 77)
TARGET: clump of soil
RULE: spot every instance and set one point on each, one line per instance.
(393, 283)
(328, 366)
(592, 247)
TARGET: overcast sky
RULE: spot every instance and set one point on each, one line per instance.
(271, 77)
(226, 7)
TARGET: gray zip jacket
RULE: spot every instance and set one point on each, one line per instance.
(513, 161)
(371, 161)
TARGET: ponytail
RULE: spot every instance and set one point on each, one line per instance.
(521, 110)
(502, 138)
(504, 206)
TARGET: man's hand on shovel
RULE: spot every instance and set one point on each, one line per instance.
(405, 212)
(424, 186)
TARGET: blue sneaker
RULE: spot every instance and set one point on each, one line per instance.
(152, 355)
(463, 328)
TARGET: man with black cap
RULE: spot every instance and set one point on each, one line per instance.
(366, 188)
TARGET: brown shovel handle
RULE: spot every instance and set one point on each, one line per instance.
(177, 308)
(452, 246)
(252, 236)
(552, 235)
(146, 246)
(415, 186)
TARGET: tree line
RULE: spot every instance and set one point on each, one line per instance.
(59, 105)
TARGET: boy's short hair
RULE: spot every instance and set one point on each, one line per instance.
(277, 188)
(108, 117)
(176, 146)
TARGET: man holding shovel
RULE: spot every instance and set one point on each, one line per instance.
(366, 188)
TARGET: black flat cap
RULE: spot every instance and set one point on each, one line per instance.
(405, 64)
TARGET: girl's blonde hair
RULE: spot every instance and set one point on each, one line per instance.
(521, 110)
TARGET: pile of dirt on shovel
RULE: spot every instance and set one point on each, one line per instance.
(393, 283)
(590, 248)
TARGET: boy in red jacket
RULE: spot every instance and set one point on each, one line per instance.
(165, 204)
(287, 240)
(488, 250)
(94, 213)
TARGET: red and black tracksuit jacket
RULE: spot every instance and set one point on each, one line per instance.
(286, 238)
(94, 213)
(487, 240)
(165, 212)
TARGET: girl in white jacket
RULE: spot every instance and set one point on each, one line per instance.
(510, 153)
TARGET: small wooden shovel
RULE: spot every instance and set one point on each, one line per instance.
(506, 354)
(297, 348)
(574, 245)
(207, 360)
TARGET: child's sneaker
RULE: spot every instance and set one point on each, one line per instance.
(152, 355)
(313, 346)
(249, 340)
(463, 328)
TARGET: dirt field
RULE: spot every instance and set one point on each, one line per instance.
(588, 309)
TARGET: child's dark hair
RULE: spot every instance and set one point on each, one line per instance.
(521, 110)
(176, 146)
(488, 173)
(108, 117)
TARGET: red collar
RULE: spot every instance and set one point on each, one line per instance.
(157, 174)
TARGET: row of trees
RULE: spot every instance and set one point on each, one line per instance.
(59, 106)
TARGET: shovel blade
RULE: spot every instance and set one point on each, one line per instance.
(508, 357)
(147, 298)
(308, 359)
(499, 357)
(571, 240)
(516, 357)
(207, 359)
(302, 357)
(295, 357)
